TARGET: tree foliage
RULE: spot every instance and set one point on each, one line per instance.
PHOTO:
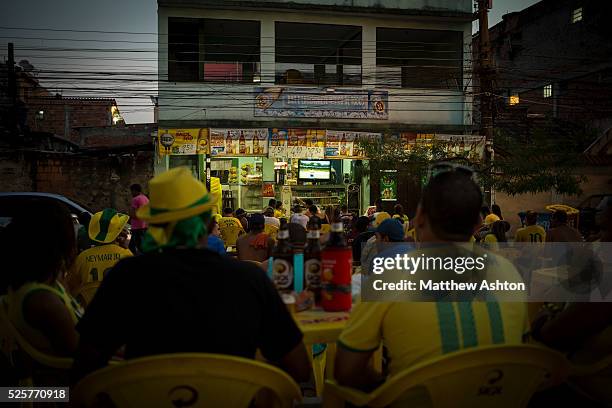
(546, 158)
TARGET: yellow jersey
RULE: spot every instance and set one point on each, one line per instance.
(230, 229)
(92, 264)
(16, 301)
(531, 233)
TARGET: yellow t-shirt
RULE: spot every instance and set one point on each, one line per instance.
(230, 229)
(92, 264)
(278, 214)
(414, 332)
(531, 233)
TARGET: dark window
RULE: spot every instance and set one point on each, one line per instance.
(317, 54)
(213, 50)
(419, 58)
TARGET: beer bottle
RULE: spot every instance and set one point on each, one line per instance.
(312, 258)
(337, 264)
(242, 143)
(282, 260)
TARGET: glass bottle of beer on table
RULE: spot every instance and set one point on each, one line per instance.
(312, 258)
(282, 260)
(337, 264)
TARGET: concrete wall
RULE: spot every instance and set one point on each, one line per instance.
(599, 181)
(84, 178)
(410, 106)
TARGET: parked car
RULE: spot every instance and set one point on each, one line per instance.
(11, 202)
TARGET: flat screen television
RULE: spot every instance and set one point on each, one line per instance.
(314, 170)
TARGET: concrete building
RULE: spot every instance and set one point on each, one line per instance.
(373, 66)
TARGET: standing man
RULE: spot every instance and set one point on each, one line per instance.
(139, 227)
(532, 232)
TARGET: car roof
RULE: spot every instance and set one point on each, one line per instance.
(53, 196)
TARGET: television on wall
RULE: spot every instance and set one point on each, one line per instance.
(314, 170)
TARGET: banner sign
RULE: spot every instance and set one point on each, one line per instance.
(473, 145)
(297, 143)
(388, 185)
(321, 103)
(239, 142)
(345, 145)
(183, 141)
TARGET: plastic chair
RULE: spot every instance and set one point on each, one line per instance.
(271, 230)
(86, 293)
(187, 380)
(230, 229)
(490, 376)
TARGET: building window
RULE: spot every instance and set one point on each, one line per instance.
(40, 114)
(419, 58)
(513, 99)
(317, 54)
(577, 15)
(213, 50)
(548, 91)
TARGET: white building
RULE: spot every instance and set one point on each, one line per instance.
(360, 65)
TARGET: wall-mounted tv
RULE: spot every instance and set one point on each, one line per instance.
(314, 170)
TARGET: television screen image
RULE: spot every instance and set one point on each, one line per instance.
(314, 170)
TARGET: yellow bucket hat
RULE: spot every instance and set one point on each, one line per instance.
(381, 217)
(490, 219)
(175, 195)
(105, 226)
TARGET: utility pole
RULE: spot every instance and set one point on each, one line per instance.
(485, 75)
(12, 88)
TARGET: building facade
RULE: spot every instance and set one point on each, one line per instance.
(314, 75)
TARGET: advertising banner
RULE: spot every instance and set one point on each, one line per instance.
(239, 142)
(183, 141)
(345, 145)
(297, 143)
(321, 103)
(388, 185)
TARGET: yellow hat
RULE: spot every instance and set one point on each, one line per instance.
(105, 226)
(381, 217)
(175, 195)
(490, 219)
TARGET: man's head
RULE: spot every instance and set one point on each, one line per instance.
(362, 223)
(256, 223)
(449, 209)
(279, 205)
(308, 202)
(398, 209)
(390, 230)
(313, 210)
(558, 218)
(297, 209)
(272, 203)
(135, 189)
(228, 212)
(269, 212)
(531, 217)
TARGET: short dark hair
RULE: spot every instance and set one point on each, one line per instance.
(398, 209)
(531, 217)
(136, 187)
(270, 211)
(484, 211)
(344, 208)
(272, 202)
(47, 226)
(495, 209)
(560, 216)
(308, 202)
(452, 201)
(313, 209)
(362, 223)
(240, 211)
(228, 210)
(279, 204)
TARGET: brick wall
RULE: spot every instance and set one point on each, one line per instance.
(83, 178)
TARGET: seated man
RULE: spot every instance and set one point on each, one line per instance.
(413, 332)
(532, 232)
(256, 245)
(559, 230)
(109, 230)
(181, 297)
